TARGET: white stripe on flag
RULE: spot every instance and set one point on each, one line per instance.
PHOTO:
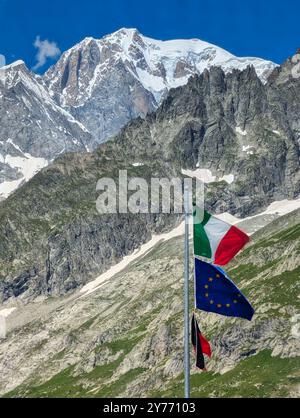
(215, 231)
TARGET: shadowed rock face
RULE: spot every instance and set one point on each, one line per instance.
(28, 113)
(34, 129)
(52, 238)
(230, 124)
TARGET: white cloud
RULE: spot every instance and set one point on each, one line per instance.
(46, 50)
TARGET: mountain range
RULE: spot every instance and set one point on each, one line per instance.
(242, 131)
(107, 82)
(94, 302)
(93, 90)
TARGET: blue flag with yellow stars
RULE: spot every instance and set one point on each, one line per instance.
(216, 292)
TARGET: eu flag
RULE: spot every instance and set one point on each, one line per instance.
(215, 292)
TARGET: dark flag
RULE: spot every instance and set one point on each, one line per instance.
(216, 292)
(200, 344)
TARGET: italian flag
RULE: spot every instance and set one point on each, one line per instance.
(216, 239)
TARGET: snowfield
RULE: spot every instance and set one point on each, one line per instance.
(100, 280)
(27, 166)
(157, 65)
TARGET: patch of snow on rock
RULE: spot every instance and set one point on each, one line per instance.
(202, 174)
(28, 166)
(229, 178)
(7, 187)
(283, 207)
(240, 131)
(100, 280)
(6, 312)
(227, 217)
(279, 208)
(206, 176)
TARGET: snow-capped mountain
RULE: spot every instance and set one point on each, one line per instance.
(236, 132)
(34, 129)
(93, 90)
(107, 82)
(231, 131)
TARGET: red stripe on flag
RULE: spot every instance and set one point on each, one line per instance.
(205, 345)
(230, 245)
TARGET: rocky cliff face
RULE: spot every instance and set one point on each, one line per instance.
(232, 125)
(59, 241)
(34, 129)
(125, 338)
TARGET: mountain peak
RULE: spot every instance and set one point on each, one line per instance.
(14, 66)
(127, 31)
(134, 72)
(296, 57)
(12, 73)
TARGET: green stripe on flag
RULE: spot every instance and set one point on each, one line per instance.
(201, 241)
(206, 218)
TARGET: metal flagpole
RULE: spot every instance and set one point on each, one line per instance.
(186, 297)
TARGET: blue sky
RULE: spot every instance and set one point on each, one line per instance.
(265, 28)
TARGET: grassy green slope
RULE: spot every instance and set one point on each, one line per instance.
(257, 359)
(259, 376)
